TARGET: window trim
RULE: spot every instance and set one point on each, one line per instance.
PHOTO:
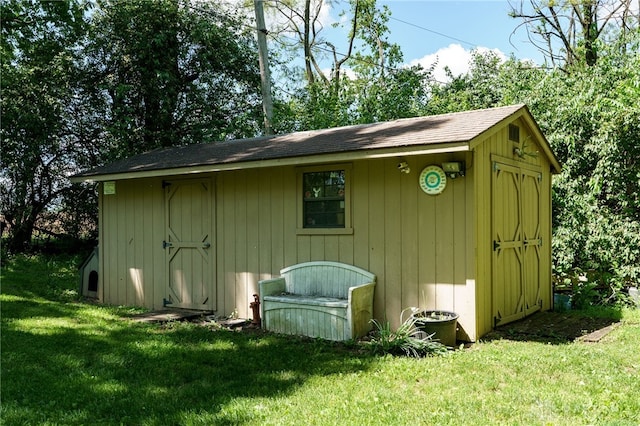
(300, 171)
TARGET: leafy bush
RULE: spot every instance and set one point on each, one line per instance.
(596, 134)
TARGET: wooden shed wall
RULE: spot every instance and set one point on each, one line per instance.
(420, 247)
(132, 261)
(498, 146)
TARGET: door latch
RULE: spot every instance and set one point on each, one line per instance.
(166, 244)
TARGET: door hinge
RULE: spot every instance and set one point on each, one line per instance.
(166, 302)
(166, 244)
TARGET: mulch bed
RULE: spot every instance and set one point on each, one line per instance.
(555, 327)
(546, 327)
(167, 315)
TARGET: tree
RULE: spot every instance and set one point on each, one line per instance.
(384, 88)
(173, 73)
(479, 88)
(39, 49)
(592, 120)
(80, 89)
(569, 31)
(363, 82)
(302, 20)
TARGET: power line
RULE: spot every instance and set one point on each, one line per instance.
(411, 24)
(434, 32)
(441, 34)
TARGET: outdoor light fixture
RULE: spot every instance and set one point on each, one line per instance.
(403, 166)
(453, 169)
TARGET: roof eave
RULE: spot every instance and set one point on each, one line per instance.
(405, 151)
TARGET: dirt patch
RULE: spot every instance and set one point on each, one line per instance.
(169, 314)
(554, 327)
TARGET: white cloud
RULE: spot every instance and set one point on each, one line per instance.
(454, 56)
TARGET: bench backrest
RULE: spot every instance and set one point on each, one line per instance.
(323, 278)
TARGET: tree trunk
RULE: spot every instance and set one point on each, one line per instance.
(20, 235)
(589, 33)
(307, 43)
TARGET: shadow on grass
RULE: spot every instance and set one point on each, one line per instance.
(556, 327)
(72, 363)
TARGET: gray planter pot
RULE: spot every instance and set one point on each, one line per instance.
(442, 324)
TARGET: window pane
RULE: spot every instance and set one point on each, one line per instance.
(323, 199)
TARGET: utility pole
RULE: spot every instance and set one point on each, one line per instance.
(265, 75)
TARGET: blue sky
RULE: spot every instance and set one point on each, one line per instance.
(422, 27)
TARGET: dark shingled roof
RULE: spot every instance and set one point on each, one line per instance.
(420, 131)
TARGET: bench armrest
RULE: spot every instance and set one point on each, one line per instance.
(271, 286)
(361, 308)
(268, 288)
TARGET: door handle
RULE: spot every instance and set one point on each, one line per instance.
(206, 245)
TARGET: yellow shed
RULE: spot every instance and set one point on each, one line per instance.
(451, 212)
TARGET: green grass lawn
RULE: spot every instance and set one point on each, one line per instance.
(65, 362)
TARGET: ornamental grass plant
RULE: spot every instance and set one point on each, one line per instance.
(407, 340)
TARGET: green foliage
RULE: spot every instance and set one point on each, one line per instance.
(376, 87)
(479, 88)
(596, 134)
(84, 83)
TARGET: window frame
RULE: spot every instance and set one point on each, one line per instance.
(347, 229)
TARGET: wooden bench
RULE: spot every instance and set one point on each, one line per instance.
(323, 299)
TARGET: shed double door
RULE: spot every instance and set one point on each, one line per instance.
(516, 241)
(188, 244)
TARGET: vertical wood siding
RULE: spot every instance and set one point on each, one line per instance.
(416, 246)
(131, 234)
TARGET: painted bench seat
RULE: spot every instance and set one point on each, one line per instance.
(298, 299)
(329, 300)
